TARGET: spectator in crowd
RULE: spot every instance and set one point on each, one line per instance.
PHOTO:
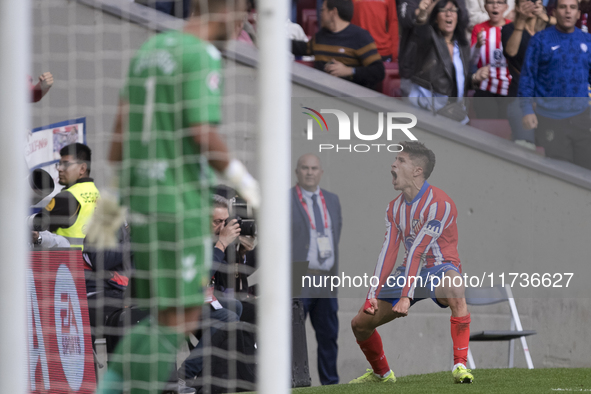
(380, 19)
(408, 11)
(529, 19)
(556, 75)
(316, 231)
(69, 211)
(585, 10)
(341, 48)
(478, 11)
(42, 87)
(442, 59)
(490, 96)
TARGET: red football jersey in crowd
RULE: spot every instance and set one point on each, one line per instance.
(492, 53)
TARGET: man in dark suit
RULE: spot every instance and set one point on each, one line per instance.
(316, 230)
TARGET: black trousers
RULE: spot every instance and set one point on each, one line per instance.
(566, 139)
(489, 105)
(100, 306)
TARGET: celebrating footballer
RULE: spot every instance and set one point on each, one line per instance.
(423, 218)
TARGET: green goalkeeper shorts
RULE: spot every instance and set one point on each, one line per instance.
(172, 261)
(143, 362)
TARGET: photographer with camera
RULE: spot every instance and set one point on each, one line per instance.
(235, 244)
(229, 247)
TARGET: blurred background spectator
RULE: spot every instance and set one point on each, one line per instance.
(555, 76)
(408, 11)
(42, 87)
(380, 19)
(529, 19)
(341, 48)
(583, 20)
(478, 12)
(441, 56)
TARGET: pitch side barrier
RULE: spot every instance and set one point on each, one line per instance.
(60, 346)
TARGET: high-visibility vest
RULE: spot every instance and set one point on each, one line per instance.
(86, 194)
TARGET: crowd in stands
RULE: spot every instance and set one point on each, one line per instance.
(425, 44)
(441, 53)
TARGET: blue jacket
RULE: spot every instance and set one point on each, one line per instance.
(556, 74)
(300, 227)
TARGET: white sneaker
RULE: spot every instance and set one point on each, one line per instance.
(526, 144)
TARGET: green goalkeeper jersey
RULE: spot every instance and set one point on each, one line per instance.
(174, 82)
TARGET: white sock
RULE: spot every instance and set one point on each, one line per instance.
(457, 365)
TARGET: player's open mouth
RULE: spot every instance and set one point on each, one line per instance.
(394, 175)
(495, 13)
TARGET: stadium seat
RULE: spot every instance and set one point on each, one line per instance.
(390, 86)
(304, 5)
(493, 295)
(499, 127)
(310, 22)
(305, 62)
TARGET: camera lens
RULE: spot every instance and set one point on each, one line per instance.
(248, 227)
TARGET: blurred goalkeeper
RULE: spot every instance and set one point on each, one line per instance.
(166, 140)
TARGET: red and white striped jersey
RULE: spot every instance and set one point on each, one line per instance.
(427, 226)
(492, 53)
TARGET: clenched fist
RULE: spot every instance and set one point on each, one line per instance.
(45, 81)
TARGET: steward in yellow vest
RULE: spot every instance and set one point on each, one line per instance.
(70, 210)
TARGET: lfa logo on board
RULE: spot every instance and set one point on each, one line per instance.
(394, 121)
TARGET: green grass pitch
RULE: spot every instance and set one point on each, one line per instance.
(545, 380)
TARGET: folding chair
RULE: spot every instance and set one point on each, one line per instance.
(494, 295)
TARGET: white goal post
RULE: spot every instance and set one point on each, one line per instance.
(15, 36)
(274, 115)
